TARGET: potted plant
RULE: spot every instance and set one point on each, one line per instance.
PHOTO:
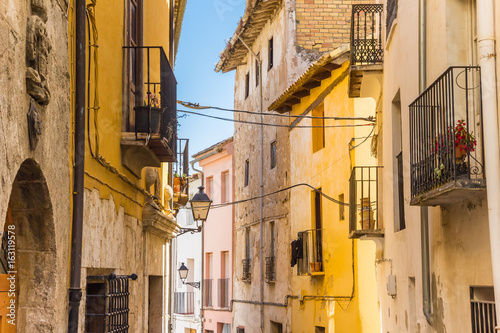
(465, 142)
(148, 116)
(177, 184)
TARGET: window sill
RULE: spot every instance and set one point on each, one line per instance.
(317, 274)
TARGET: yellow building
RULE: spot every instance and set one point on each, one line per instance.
(130, 143)
(334, 277)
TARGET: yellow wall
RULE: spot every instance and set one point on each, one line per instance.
(329, 168)
(110, 28)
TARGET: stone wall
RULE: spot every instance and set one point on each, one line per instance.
(35, 42)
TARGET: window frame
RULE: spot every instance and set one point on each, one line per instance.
(247, 85)
(273, 154)
(270, 53)
(246, 180)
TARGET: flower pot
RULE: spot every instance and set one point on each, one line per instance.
(177, 185)
(459, 153)
(147, 119)
(315, 266)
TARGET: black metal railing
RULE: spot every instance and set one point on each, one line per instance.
(392, 13)
(224, 293)
(445, 131)
(311, 261)
(366, 35)
(364, 199)
(246, 274)
(483, 315)
(107, 307)
(154, 89)
(270, 273)
(207, 292)
(184, 303)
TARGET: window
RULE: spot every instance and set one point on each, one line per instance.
(270, 54)
(318, 131)
(257, 71)
(247, 85)
(276, 327)
(226, 187)
(247, 172)
(397, 146)
(247, 260)
(319, 329)
(392, 13)
(270, 273)
(210, 187)
(207, 282)
(223, 328)
(273, 154)
(248, 249)
(240, 330)
(341, 208)
(272, 238)
(483, 314)
(318, 225)
(107, 302)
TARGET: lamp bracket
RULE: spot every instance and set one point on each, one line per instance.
(183, 231)
(193, 284)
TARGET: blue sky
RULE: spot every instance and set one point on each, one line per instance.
(207, 25)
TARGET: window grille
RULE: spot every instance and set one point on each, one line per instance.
(107, 303)
(392, 13)
(482, 304)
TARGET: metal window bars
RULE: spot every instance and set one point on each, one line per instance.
(366, 35)
(246, 270)
(364, 217)
(155, 110)
(184, 303)
(446, 142)
(112, 310)
(311, 261)
(207, 292)
(270, 273)
(223, 293)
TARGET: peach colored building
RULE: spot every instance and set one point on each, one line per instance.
(217, 164)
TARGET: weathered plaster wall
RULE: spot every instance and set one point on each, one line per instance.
(460, 254)
(329, 169)
(50, 155)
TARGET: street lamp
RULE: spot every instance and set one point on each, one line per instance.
(200, 204)
(183, 273)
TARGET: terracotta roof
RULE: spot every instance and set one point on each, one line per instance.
(179, 10)
(257, 13)
(213, 147)
(311, 78)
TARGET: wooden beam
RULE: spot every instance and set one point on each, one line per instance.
(302, 93)
(291, 101)
(312, 84)
(322, 76)
(331, 67)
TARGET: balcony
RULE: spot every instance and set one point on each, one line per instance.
(224, 293)
(367, 53)
(311, 262)
(446, 142)
(207, 293)
(364, 217)
(246, 274)
(150, 109)
(270, 273)
(184, 303)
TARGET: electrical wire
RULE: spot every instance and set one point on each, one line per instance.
(351, 147)
(196, 106)
(282, 190)
(271, 125)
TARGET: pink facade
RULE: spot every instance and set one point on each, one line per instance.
(218, 237)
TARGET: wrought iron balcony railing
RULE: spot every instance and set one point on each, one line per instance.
(312, 252)
(207, 293)
(224, 293)
(153, 100)
(364, 217)
(247, 267)
(270, 269)
(392, 13)
(184, 303)
(446, 141)
(366, 35)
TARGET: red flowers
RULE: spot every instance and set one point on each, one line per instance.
(460, 137)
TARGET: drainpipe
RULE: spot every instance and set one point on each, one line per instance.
(487, 62)
(261, 199)
(75, 291)
(424, 211)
